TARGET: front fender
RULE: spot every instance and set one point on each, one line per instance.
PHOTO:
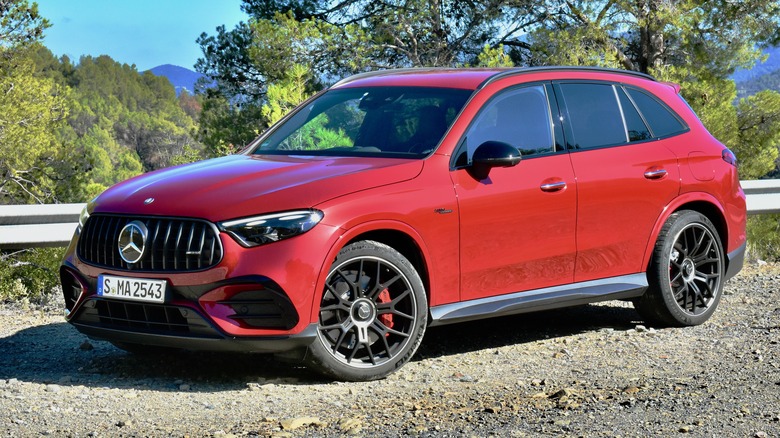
(354, 233)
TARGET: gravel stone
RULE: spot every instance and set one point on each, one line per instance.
(596, 370)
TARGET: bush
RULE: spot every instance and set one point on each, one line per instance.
(763, 233)
(30, 275)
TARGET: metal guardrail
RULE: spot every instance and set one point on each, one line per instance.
(38, 226)
(763, 196)
(52, 225)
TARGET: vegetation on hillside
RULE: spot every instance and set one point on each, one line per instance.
(70, 129)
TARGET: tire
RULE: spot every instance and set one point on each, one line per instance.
(685, 275)
(372, 315)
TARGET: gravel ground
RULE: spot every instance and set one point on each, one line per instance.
(587, 371)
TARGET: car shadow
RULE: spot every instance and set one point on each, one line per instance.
(524, 328)
(57, 354)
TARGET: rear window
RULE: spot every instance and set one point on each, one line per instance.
(663, 122)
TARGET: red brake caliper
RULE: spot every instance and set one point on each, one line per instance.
(385, 318)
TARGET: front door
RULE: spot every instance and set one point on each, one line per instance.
(517, 226)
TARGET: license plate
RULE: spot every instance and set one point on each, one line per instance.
(136, 289)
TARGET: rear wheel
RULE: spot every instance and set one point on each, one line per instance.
(686, 273)
(372, 314)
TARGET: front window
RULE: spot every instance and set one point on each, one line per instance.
(404, 122)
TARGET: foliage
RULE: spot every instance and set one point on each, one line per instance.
(225, 127)
(120, 123)
(759, 133)
(32, 110)
(29, 275)
(286, 94)
(715, 35)
(764, 237)
(20, 24)
(494, 57)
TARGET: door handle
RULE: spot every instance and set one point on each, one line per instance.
(553, 186)
(655, 173)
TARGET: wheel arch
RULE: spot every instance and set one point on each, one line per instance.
(394, 234)
(703, 203)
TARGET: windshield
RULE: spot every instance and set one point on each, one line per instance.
(403, 122)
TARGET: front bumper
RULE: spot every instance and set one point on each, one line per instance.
(174, 327)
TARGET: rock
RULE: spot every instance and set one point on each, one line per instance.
(86, 346)
(351, 425)
(684, 429)
(184, 387)
(631, 390)
(566, 392)
(297, 423)
(53, 388)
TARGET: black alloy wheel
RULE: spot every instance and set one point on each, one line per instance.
(372, 314)
(686, 273)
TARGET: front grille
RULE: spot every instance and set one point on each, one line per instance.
(142, 317)
(173, 244)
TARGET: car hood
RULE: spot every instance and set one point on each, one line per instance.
(241, 185)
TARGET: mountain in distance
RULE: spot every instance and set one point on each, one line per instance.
(181, 78)
(771, 65)
(763, 76)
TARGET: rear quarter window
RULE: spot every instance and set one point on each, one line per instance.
(663, 121)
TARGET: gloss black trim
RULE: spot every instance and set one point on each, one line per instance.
(615, 288)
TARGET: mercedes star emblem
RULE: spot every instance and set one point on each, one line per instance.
(132, 240)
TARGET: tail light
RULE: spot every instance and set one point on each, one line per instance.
(729, 157)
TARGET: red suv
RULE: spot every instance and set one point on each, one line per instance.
(403, 199)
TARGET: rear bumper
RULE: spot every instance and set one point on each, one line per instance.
(735, 261)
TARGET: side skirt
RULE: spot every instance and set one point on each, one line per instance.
(615, 288)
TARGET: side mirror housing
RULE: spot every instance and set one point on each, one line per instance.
(492, 154)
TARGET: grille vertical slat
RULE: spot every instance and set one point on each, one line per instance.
(173, 244)
(200, 247)
(113, 248)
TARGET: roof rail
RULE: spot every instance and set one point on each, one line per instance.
(527, 70)
(390, 71)
(501, 73)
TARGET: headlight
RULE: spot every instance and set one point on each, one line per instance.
(259, 230)
(84, 215)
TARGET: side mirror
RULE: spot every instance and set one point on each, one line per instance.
(492, 154)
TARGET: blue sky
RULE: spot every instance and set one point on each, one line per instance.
(146, 33)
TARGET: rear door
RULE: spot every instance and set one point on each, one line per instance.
(625, 178)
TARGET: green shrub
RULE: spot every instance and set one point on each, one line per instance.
(764, 237)
(30, 275)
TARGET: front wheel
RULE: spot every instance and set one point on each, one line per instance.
(373, 314)
(685, 275)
